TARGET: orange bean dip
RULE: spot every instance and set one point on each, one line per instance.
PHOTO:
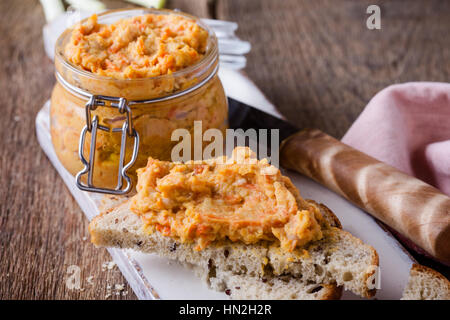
(138, 47)
(239, 199)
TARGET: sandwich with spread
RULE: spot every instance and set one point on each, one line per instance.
(238, 222)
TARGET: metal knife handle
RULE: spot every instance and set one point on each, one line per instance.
(415, 209)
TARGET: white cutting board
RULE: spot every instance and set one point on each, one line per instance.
(153, 277)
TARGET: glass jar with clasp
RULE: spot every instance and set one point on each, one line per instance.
(103, 128)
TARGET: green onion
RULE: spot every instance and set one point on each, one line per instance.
(157, 4)
(52, 9)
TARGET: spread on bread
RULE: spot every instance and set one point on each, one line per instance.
(137, 47)
(239, 198)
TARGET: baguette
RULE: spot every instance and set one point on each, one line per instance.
(339, 259)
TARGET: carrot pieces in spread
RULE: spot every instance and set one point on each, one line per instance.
(240, 199)
(137, 47)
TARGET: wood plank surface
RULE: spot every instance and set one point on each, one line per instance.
(41, 226)
(318, 62)
(314, 59)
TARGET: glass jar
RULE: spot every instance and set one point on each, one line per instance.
(158, 105)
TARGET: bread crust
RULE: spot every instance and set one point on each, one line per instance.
(326, 212)
(420, 268)
(333, 292)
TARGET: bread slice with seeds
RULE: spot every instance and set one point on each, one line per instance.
(339, 259)
(243, 287)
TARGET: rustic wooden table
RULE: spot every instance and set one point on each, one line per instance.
(315, 60)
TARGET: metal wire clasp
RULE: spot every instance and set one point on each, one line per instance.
(92, 124)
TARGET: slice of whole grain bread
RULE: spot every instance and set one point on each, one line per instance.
(426, 284)
(339, 259)
(239, 286)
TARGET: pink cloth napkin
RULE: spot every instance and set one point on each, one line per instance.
(408, 127)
